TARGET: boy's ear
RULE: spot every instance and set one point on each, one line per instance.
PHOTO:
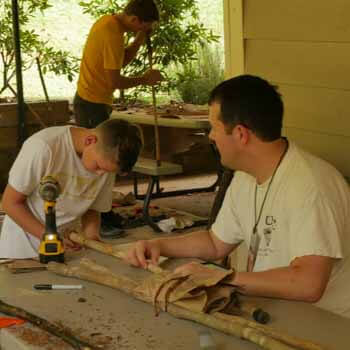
(134, 20)
(90, 140)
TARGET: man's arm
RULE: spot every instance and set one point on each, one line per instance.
(305, 279)
(91, 224)
(15, 206)
(200, 244)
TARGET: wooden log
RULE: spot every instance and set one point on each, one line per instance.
(106, 248)
(63, 334)
(90, 271)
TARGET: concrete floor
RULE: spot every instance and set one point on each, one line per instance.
(197, 204)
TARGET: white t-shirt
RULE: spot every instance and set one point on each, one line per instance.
(51, 152)
(307, 212)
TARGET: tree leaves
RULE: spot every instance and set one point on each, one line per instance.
(58, 61)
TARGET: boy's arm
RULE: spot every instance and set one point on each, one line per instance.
(133, 48)
(15, 206)
(91, 224)
(150, 77)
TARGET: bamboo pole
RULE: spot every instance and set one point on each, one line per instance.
(63, 334)
(88, 270)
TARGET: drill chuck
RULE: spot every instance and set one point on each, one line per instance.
(49, 189)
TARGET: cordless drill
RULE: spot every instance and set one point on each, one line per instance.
(51, 245)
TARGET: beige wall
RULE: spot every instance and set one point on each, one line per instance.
(304, 48)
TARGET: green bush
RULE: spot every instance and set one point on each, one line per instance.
(198, 77)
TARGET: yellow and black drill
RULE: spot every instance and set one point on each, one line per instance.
(51, 245)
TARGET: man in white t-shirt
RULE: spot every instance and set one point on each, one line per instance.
(84, 162)
(290, 208)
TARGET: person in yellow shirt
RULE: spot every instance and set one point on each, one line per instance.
(105, 55)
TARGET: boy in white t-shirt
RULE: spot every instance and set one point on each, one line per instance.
(290, 208)
(84, 162)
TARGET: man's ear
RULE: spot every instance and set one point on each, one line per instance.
(90, 140)
(242, 133)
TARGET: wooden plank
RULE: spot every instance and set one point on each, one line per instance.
(150, 167)
(233, 37)
(146, 119)
(311, 20)
(300, 63)
(334, 149)
(316, 109)
(59, 113)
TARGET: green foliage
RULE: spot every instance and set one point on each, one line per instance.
(174, 41)
(197, 78)
(59, 62)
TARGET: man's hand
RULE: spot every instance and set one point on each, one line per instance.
(152, 77)
(141, 251)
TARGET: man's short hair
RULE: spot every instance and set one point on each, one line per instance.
(250, 101)
(121, 140)
(145, 10)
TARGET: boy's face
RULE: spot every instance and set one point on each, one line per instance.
(95, 161)
(137, 25)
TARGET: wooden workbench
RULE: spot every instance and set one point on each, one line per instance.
(132, 325)
(181, 138)
(198, 122)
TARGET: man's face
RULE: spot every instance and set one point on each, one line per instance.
(225, 142)
(97, 162)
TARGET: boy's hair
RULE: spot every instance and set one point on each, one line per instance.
(145, 10)
(121, 140)
(252, 102)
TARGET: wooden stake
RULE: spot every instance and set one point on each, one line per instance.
(88, 270)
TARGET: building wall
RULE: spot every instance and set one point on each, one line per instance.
(304, 48)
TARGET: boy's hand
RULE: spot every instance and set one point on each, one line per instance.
(95, 236)
(152, 77)
(70, 245)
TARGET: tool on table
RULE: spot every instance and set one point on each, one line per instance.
(51, 246)
(258, 314)
(57, 286)
(8, 322)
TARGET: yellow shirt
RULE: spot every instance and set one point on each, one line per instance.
(104, 51)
